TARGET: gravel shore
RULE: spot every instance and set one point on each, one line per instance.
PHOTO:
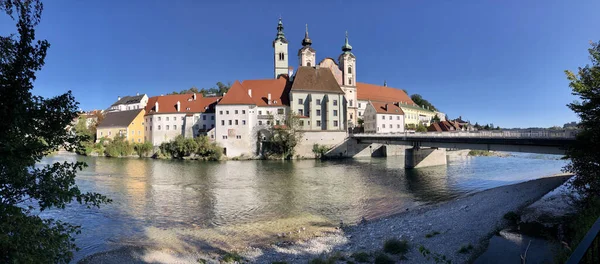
(465, 221)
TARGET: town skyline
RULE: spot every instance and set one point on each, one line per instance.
(460, 67)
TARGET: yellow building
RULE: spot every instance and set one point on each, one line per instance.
(413, 115)
(129, 124)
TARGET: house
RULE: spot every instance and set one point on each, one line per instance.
(383, 118)
(129, 103)
(129, 124)
(169, 116)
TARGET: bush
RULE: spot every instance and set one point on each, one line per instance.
(118, 147)
(182, 147)
(383, 259)
(143, 149)
(319, 150)
(362, 257)
(465, 249)
(395, 246)
(232, 257)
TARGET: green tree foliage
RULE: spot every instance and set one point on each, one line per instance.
(360, 122)
(219, 90)
(320, 150)
(182, 147)
(143, 149)
(283, 138)
(416, 128)
(118, 147)
(435, 119)
(583, 154)
(418, 99)
(33, 126)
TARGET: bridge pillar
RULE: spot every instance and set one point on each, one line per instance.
(424, 157)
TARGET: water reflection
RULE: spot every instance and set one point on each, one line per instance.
(165, 194)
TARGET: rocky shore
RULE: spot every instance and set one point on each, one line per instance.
(456, 231)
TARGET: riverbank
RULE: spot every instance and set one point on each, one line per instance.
(442, 229)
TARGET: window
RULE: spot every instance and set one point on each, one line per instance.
(397, 117)
(203, 117)
(182, 118)
(350, 81)
(100, 133)
(220, 112)
(335, 112)
(300, 101)
(243, 112)
(351, 102)
(335, 123)
(204, 127)
(398, 125)
(236, 112)
(226, 112)
(318, 112)
(243, 122)
(268, 122)
(390, 118)
(139, 140)
(167, 118)
(158, 127)
(281, 56)
(334, 102)
(222, 122)
(212, 117)
(300, 112)
(308, 64)
(308, 122)
(230, 122)
(238, 137)
(224, 137)
(167, 127)
(212, 126)
(318, 122)
(350, 70)
(301, 122)
(276, 122)
(259, 122)
(260, 112)
(318, 101)
(150, 128)
(159, 118)
(280, 111)
(359, 113)
(383, 117)
(383, 126)
(174, 127)
(236, 122)
(358, 105)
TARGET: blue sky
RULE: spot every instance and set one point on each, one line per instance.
(487, 61)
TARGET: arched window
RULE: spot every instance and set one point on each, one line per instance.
(281, 56)
(349, 81)
(349, 70)
(308, 64)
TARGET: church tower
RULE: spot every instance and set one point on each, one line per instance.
(280, 48)
(347, 62)
(307, 55)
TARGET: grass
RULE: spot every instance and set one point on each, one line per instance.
(361, 257)
(382, 258)
(395, 246)
(231, 257)
(465, 249)
(576, 227)
(432, 234)
(480, 153)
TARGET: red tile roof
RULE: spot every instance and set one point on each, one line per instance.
(237, 95)
(168, 104)
(278, 88)
(443, 126)
(387, 108)
(378, 93)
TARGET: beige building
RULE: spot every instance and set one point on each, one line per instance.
(129, 124)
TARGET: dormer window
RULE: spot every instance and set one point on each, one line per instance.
(188, 109)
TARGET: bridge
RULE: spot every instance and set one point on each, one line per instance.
(421, 145)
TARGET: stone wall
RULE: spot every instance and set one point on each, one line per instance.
(330, 139)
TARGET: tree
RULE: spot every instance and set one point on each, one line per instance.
(583, 154)
(360, 122)
(31, 127)
(435, 119)
(418, 99)
(219, 90)
(283, 138)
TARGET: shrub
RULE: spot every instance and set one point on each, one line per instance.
(362, 257)
(382, 258)
(395, 246)
(319, 150)
(181, 147)
(143, 149)
(232, 257)
(465, 249)
(118, 147)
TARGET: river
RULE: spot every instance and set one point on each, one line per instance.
(157, 200)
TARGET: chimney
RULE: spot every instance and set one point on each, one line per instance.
(118, 98)
(250, 93)
(269, 98)
(194, 96)
(178, 106)
(156, 106)
(384, 83)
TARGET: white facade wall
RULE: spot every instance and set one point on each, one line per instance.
(361, 106)
(307, 58)
(280, 48)
(125, 107)
(325, 111)
(160, 128)
(234, 129)
(382, 123)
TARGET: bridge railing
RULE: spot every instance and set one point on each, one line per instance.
(555, 134)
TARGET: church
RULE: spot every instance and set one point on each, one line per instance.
(325, 96)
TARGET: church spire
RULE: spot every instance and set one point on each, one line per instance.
(280, 34)
(306, 41)
(346, 47)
